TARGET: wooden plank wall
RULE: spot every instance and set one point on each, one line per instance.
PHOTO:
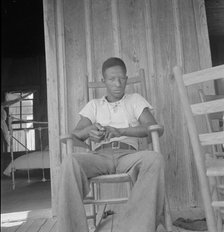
(150, 34)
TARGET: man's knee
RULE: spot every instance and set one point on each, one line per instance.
(149, 157)
(70, 161)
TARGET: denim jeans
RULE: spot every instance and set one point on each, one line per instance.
(145, 206)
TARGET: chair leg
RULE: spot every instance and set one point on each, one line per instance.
(99, 213)
(129, 187)
(93, 206)
(168, 219)
(219, 222)
(100, 216)
(98, 193)
(216, 195)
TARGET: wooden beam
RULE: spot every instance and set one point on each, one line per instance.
(178, 40)
(60, 43)
(89, 39)
(116, 28)
(180, 61)
(202, 34)
(150, 68)
(52, 96)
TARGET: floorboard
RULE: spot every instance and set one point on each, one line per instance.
(48, 225)
(54, 228)
(25, 226)
(36, 225)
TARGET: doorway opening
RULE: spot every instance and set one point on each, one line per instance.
(215, 20)
(24, 140)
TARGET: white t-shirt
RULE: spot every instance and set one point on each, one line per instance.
(121, 114)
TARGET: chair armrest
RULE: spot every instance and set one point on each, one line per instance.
(155, 131)
(64, 138)
(68, 140)
(72, 141)
(157, 127)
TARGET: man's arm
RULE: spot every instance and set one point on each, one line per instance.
(146, 119)
(85, 129)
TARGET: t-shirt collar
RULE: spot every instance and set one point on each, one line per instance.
(104, 100)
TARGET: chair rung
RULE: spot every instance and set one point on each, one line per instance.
(90, 217)
(88, 198)
(112, 178)
(217, 204)
(215, 167)
(213, 172)
(212, 138)
(106, 201)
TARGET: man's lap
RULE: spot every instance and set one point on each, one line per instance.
(109, 161)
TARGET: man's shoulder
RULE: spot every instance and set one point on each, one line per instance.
(95, 102)
(133, 97)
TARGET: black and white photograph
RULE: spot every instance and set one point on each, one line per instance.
(112, 115)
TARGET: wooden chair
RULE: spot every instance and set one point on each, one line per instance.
(95, 198)
(207, 169)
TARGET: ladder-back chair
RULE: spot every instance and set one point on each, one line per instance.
(95, 198)
(212, 168)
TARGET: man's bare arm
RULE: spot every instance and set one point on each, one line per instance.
(146, 119)
(85, 129)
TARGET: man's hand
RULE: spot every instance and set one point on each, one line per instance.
(111, 132)
(97, 133)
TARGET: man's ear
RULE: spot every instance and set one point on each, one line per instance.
(102, 80)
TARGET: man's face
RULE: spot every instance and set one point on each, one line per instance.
(115, 80)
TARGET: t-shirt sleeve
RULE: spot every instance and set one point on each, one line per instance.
(140, 103)
(89, 111)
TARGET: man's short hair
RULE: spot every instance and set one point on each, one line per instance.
(113, 61)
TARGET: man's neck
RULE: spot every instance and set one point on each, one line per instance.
(111, 99)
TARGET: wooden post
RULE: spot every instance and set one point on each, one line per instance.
(88, 34)
(61, 67)
(116, 28)
(180, 62)
(52, 97)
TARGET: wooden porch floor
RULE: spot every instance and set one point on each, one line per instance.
(50, 225)
(40, 220)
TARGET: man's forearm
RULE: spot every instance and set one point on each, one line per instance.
(83, 134)
(138, 131)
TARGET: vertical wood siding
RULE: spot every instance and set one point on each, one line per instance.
(151, 34)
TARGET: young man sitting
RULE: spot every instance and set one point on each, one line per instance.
(114, 123)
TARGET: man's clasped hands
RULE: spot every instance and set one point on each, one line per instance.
(99, 133)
